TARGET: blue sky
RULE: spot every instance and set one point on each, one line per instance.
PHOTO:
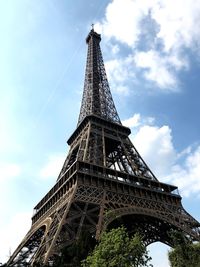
(151, 51)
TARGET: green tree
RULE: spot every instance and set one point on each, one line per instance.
(117, 249)
(185, 253)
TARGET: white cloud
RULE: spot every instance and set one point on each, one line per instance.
(187, 175)
(172, 27)
(52, 167)
(178, 23)
(114, 48)
(116, 70)
(119, 71)
(121, 89)
(138, 120)
(134, 121)
(160, 69)
(122, 20)
(155, 144)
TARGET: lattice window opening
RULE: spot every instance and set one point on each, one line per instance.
(28, 250)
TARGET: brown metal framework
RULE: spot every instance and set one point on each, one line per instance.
(104, 182)
(97, 99)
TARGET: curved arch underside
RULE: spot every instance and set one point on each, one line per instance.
(153, 225)
(27, 250)
(151, 229)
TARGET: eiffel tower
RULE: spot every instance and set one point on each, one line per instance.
(104, 182)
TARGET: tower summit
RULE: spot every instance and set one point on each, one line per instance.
(97, 99)
(103, 183)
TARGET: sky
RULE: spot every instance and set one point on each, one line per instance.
(151, 52)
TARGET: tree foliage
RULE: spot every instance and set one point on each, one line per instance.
(117, 249)
(185, 253)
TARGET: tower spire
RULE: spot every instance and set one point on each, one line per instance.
(97, 99)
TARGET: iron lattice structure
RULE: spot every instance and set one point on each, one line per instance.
(104, 182)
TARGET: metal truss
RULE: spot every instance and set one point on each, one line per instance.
(103, 183)
(96, 202)
(105, 144)
(160, 212)
(97, 98)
